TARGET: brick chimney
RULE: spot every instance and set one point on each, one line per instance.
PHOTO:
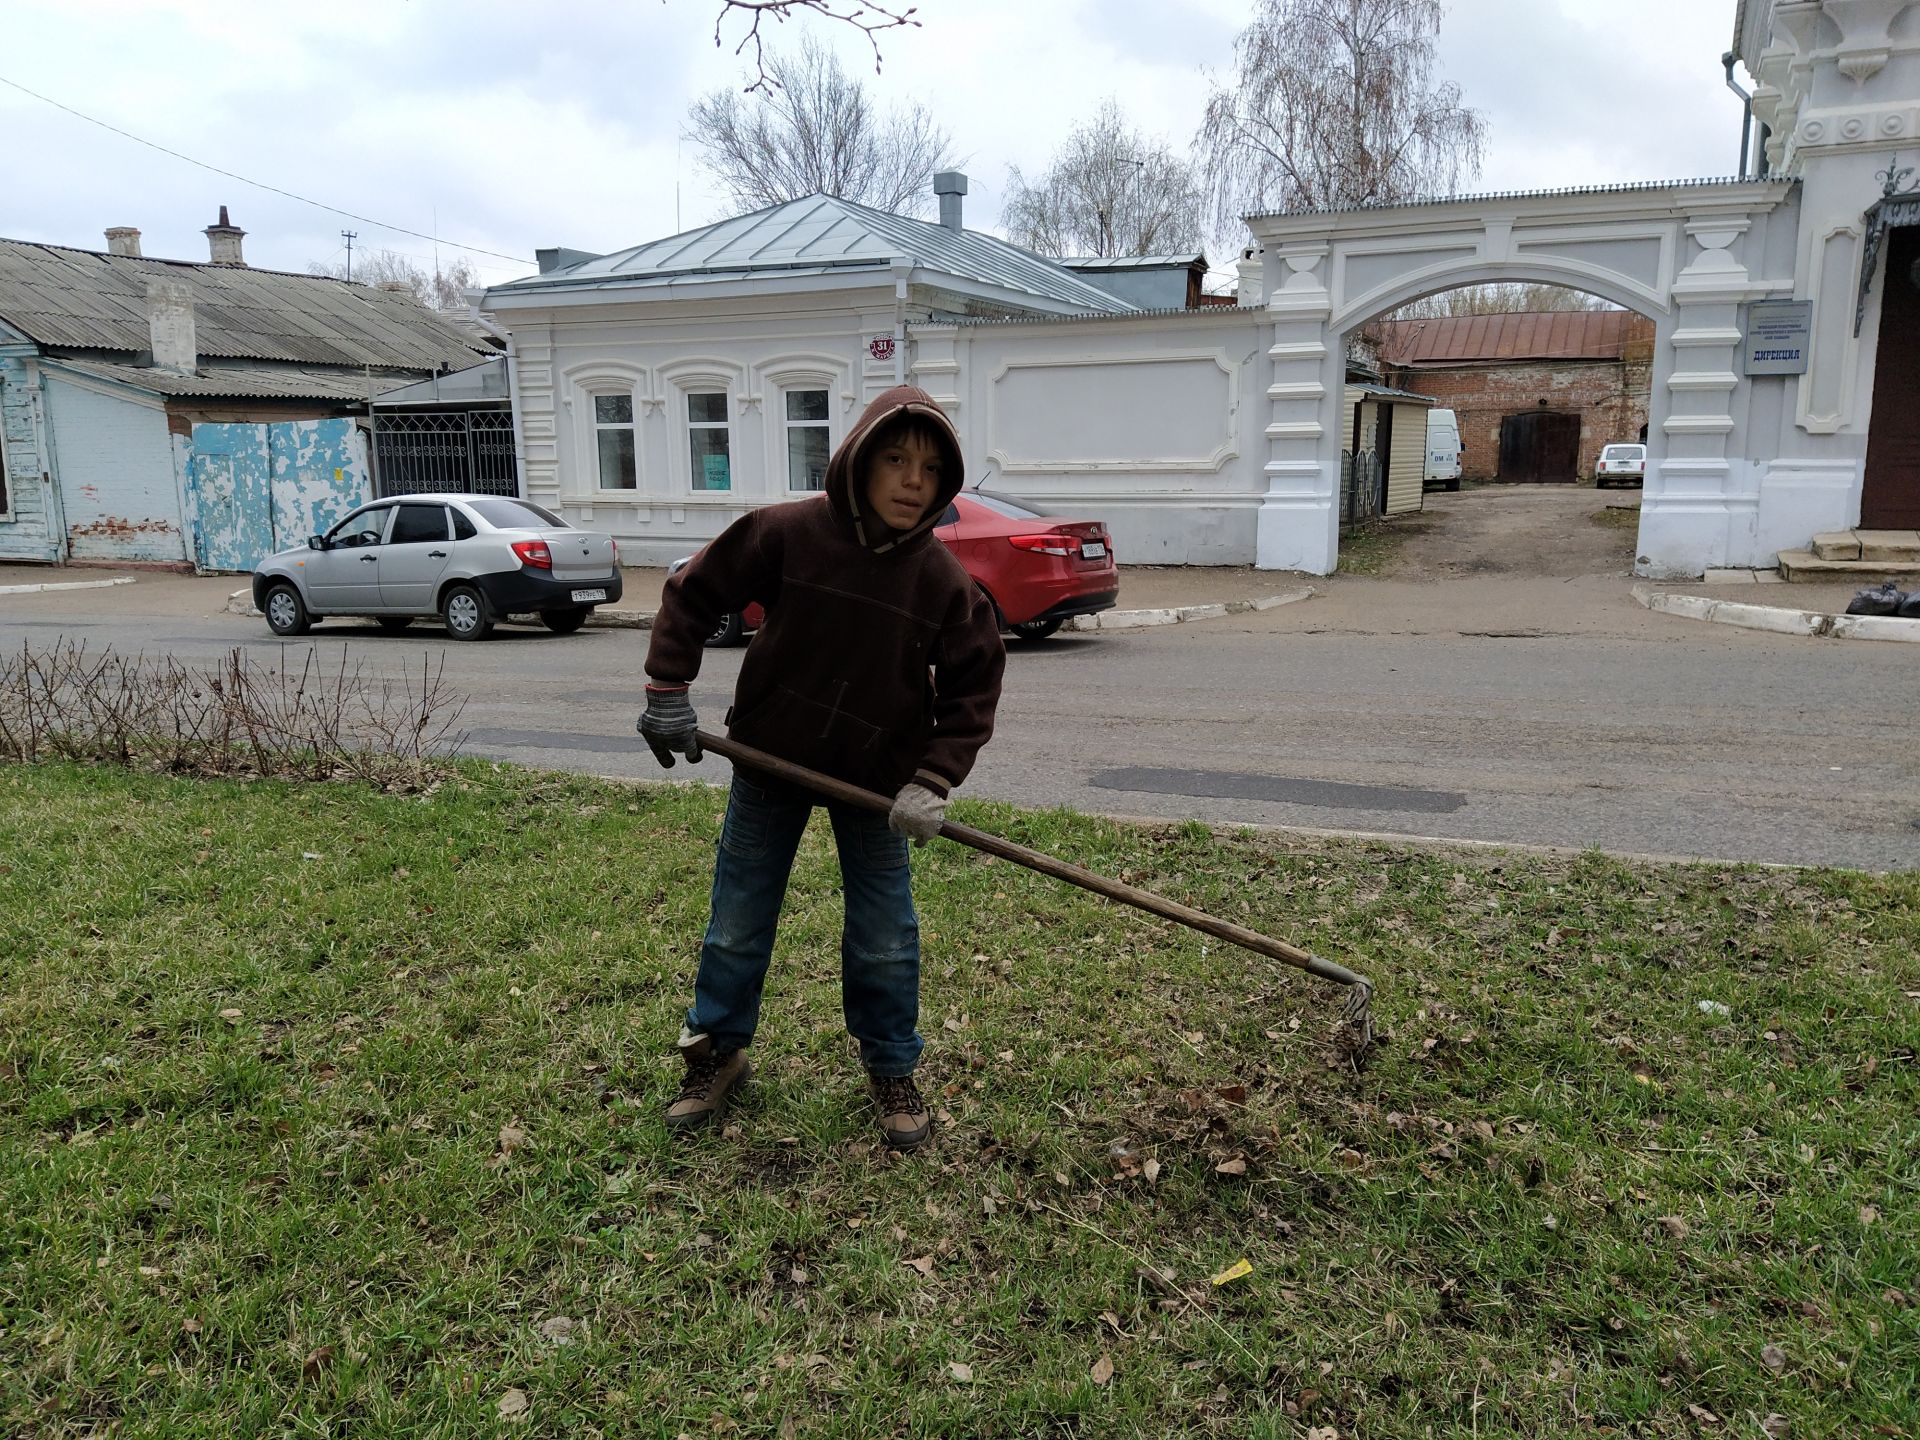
(223, 241)
(950, 185)
(123, 240)
(170, 326)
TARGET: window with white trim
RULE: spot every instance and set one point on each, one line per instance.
(808, 441)
(709, 440)
(614, 437)
(6, 494)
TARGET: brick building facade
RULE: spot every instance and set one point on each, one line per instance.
(1545, 389)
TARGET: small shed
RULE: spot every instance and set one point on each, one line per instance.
(1384, 454)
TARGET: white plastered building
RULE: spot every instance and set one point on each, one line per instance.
(663, 390)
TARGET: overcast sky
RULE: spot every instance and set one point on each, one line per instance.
(506, 126)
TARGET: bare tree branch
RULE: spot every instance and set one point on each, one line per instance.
(813, 130)
(1335, 104)
(440, 290)
(865, 17)
(1109, 191)
(1499, 299)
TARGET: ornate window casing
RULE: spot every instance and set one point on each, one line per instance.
(607, 400)
(805, 421)
(703, 395)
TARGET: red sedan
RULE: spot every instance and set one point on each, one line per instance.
(1038, 570)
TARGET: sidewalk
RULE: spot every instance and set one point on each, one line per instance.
(1156, 588)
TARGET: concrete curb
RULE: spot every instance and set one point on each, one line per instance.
(67, 585)
(241, 603)
(1183, 614)
(1778, 620)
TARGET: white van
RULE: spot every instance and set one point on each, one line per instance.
(1443, 450)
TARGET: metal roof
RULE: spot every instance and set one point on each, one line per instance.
(265, 382)
(1387, 392)
(1130, 262)
(817, 235)
(1209, 312)
(1718, 183)
(1516, 335)
(87, 300)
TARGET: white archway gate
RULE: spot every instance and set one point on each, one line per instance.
(1688, 255)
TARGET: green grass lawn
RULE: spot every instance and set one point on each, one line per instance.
(330, 1112)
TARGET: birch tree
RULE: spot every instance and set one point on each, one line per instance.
(814, 129)
(1335, 103)
(1109, 191)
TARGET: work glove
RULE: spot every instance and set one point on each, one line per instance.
(669, 724)
(917, 813)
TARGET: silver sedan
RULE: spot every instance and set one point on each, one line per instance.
(469, 559)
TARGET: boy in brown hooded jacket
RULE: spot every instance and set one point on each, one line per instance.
(878, 663)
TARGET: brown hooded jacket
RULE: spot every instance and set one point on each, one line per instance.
(879, 661)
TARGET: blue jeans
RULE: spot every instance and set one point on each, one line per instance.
(879, 941)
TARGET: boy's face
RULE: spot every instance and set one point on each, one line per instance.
(903, 479)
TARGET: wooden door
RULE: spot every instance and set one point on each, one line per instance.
(1890, 498)
(1540, 447)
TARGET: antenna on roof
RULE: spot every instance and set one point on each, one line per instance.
(348, 236)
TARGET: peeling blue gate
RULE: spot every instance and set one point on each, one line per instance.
(255, 489)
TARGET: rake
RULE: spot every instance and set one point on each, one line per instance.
(1357, 1008)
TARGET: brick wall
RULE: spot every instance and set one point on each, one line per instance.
(1610, 395)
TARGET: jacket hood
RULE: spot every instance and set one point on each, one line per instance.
(846, 495)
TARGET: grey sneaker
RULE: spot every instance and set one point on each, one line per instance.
(710, 1083)
(904, 1118)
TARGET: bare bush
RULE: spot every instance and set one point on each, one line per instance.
(296, 720)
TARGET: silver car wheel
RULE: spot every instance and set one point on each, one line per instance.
(463, 613)
(282, 610)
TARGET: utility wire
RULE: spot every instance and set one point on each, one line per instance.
(257, 184)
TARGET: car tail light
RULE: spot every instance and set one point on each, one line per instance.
(534, 553)
(616, 550)
(1049, 544)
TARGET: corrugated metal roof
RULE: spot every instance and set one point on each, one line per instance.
(1519, 335)
(1717, 183)
(266, 382)
(1387, 392)
(818, 234)
(88, 300)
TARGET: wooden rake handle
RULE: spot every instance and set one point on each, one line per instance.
(1359, 998)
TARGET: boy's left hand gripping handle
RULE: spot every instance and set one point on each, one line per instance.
(669, 724)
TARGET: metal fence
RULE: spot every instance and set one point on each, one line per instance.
(415, 451)
(1361, 496)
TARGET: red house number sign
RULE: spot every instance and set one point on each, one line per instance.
(881, 347)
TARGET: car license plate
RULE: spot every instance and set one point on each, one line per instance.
(1093, 549)
(589, 595)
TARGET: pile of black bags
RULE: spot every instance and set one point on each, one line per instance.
(1886, 599)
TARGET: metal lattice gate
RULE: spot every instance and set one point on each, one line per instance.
(416, 451)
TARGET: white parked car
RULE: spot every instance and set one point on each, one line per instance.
(1621, 465)
(469, 559)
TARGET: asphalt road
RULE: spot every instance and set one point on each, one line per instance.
(1521, 710)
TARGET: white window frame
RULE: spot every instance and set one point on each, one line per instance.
(707, 375)
(803, 371)
(599, 427)
(788, 425)
(583, 384)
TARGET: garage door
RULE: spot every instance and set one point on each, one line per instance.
(1540, 448)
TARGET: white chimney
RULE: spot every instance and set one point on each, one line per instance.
(123, 240)
(223, 241)
(170, 326)
(950, 185)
